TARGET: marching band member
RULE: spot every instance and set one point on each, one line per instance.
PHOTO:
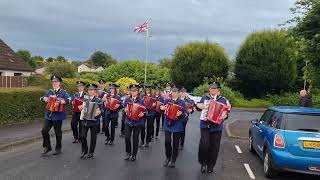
(110, 116)
(132, 127)
(167, 91)
(54, 117)
(124, 96)
(149, 119)
(210, 132)
(165, 95)
(157, 114)
(118, 92)
(102, 91)
(173, 129)
(183, 96)
(75, 122)
(90, 122)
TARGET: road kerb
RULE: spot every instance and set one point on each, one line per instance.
(229, 132)
(25, 141)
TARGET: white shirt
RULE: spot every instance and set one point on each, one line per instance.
(80, 93)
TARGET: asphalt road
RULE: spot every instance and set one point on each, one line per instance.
(24, 163)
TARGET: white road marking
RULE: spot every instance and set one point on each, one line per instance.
(249, 171)
(238, 149)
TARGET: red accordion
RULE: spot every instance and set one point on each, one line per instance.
(111, 103)
(148, 102)
(215, 111)
(157, 108)
(189, 106)
(54, 104)
(134, 110)
(171, 111)
(76, 103)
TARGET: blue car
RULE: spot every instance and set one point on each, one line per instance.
(287, 139)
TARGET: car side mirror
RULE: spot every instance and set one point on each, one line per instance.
(255, 121)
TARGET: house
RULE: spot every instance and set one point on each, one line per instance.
(89, 68)
(40, 71)
(11, 64)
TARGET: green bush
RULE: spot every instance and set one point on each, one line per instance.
(125, 82)
(63, 69)
(264, 64)
(235, 98)
(135, 69)
(292, 99)
(194, 61)
(21, 105)
(232, 96)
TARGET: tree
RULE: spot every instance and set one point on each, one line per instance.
(60, 59)
(100, 58)
(39, 60)
(307, 34)
(264, 64)
(166, 62)
(135, 69)
(195, 61)
(63, 69)
(26, 56)
(50, 59)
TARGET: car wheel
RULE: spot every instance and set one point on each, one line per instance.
(251, 143)
(268, 165)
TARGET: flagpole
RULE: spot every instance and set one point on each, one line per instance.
(146, 56)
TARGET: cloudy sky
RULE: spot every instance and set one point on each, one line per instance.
(76, 28)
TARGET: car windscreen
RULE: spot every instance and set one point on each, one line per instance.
(303, 122)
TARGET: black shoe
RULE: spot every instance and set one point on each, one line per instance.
(209, 171)
(147, 144)
(57, 152)
(166, 163)
(90, 155)
(46, 150)
(111, 143)
(133, 158)
(172, 164)
(141, 144)
(127, 156)
(156, 136)
(181, 147)
(83, 155)
(203, 169)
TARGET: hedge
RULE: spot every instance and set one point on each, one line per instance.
(21, 105)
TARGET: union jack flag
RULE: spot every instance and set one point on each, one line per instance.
(141, 27)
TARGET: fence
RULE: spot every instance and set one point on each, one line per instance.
(12, 81)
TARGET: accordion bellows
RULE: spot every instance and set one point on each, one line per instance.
(134, 110)
(148, 101)
(76, 103)
(89, 111)
(215, 111)
(172, 110)
(157, 108)
(111, 103)
(54, 104)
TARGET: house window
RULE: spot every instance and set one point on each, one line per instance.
(17, 74)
